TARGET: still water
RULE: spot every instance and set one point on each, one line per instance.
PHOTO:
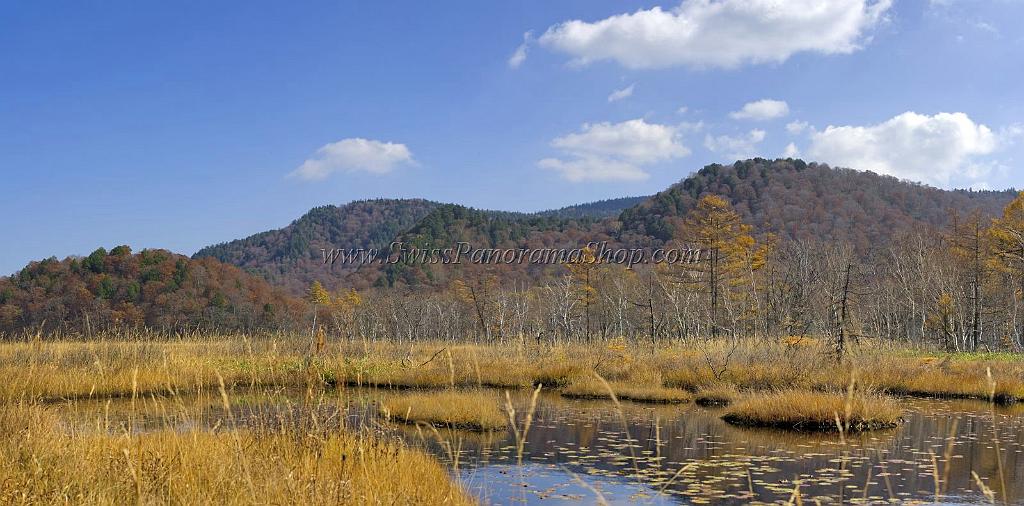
(589, 452)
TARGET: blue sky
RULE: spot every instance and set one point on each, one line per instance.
(182, 124)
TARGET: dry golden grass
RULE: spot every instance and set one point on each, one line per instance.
(654, 394)
(809, 365)
(101, 369)
(468, 410)
(43, 463)
(949, 378)
(716, 395)
(815, 411)
(438, 365)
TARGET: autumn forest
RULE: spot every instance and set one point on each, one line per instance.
(795, 249)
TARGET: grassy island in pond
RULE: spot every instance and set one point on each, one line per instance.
(476, 410)
(815, 411)
(651, 394)
(716, 395)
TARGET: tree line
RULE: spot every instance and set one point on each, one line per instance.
(958, 286)
(955, 288)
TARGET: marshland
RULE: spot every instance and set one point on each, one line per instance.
(769, 372)
(452, 253)
(234, 419)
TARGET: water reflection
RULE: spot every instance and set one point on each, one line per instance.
(579, 450)
(542, 484)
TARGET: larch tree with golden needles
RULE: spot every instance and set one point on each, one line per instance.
(584, 272)
(318, 296)
(1007, 234)
(343, 310)
(729, 253)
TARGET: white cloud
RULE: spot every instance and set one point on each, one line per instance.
(682, 109)
(791, 151)
(621, 94)
(929, 149)
(615, 151)
(796, 127)
(762, 110)
(634, 140)
(519, 56)
(722, 33)
(594, 169)
(736, 147)
(354, 155)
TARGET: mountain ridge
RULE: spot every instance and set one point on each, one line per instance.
(799, 200)
(789, 198)
(257, 281)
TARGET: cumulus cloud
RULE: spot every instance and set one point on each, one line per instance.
(621, 94)
(614, 151)
(736, 147)
(791, 151)
(929, 149)
(634, 140)
(519, 56)
(719, 33)
(354, 155)
(761, 110)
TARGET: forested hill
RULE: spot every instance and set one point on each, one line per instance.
(600, 209)
(154, 288)
(786, 197)
(291, 256)
(797, 200)
(450, 224)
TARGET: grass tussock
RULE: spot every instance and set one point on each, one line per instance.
(46, 464)
(951, 378)
(467, 410)
(716, 395)
(652, 394)
(433, 365)
(815, 411)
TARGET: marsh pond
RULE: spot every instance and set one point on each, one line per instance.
(594, 452)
